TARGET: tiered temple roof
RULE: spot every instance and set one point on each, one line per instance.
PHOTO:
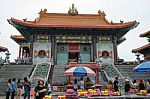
(145, 34)
(62, 23)
(142, 49)
(18, 39)
(145, 48)
(3, 49)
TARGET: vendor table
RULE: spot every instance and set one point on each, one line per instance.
(132, 96)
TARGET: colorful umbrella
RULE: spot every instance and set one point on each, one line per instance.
(143, 67)
(79, 71)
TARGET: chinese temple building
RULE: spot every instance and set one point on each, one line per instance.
(145, 49)
(70, 37)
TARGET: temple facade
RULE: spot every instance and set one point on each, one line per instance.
(70, 37)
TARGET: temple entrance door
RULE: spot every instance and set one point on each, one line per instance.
(73, 56)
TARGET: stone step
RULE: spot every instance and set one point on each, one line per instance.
(58, 74)
(13, 71)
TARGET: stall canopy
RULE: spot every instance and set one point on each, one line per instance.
(80, 71)
(143, 67)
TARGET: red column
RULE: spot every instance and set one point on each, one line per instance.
(19, 51)
(97, 77)
(69, 79)
(22, 52)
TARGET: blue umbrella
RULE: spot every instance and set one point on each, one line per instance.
(143, 67)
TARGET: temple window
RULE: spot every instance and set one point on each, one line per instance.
(104, 39)
(42, 38)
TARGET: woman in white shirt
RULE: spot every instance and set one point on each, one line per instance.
(81, 83)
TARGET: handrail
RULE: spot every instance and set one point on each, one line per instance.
(118, 71)
(48, 70)
(33, 71)
(107, 76)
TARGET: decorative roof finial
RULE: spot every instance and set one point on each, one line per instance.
(73, 10)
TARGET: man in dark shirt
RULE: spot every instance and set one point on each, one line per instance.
(27, 87)
(116, 84)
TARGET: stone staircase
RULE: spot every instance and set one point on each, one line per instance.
(13, 71)
(127, 71)
(58, 76)
(112, 72)
(41, 71)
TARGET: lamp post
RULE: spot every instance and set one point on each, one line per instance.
(137, 57)
(7, 57)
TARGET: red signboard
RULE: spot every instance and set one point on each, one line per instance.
(73, 47)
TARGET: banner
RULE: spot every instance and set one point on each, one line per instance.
(74, 47)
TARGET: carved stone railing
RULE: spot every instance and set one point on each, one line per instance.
(41, 71)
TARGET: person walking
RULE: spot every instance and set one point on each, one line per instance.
(40, 90)
(8, 89)
(27, 87)
(14, 88)
(19, 89)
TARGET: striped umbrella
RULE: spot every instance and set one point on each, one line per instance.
(79, 71)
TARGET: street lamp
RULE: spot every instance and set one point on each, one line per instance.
(137, 57)
(7, 57)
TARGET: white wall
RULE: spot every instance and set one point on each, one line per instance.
(41, 46)
(105, 47)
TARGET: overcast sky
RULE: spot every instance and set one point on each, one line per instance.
(116, 10)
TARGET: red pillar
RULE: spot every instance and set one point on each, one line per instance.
(97, 77)
(19, 51)
(22, 52)
(69, 79)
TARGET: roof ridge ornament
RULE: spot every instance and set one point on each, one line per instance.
(73, 10)
(101, 13)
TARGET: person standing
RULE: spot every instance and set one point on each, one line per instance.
(14, 88)
(75, 86)
(81, 83)
(27, 87)
(116, 84)
(127, 86)
(19, 89)
(148, 86)
(141, 85)
(8, 89)
(40, 90)
(49, 88)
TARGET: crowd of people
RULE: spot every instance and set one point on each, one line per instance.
(24, 88)
(138, 85)
(115, 86)
(15, 88)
